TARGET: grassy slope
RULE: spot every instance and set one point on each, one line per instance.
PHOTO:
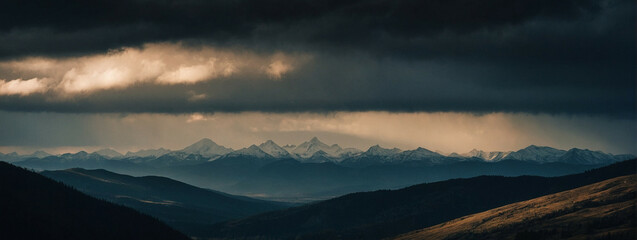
(604, 210)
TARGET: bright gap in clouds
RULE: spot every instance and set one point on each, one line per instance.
(163, 64)
(444, 132)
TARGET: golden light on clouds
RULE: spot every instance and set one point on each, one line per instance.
(22, 87)
(164, 64)
(196, 117)
(278, 68)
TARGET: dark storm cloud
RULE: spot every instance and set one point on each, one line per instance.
(65, 27)
(458, 55)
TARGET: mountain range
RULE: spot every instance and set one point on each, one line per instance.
(315, 150)
(314, 170)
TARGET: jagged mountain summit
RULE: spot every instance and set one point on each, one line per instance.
(377, 150)
(273, 149)
(308, 149)
(544, 154)
(585, 156)
(253, 151)
(207, 148)
(487, 156)
(535, 153)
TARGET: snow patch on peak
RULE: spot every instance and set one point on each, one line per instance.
(307, 149)
(273, 149)
(148, 153)
(377, 150)
(207, 148)
(535, 153)
(487, 156)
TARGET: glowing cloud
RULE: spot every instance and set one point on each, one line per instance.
(196, 117)
(197, 73)
(278, 68)
(165, 64)
(22, 87)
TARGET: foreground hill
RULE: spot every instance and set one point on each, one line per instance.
(35, 207)
(604, 210)
(379, 214)
(185, 207)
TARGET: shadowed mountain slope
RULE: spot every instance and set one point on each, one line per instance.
(35, 207)
(185, 207)
(379, 214)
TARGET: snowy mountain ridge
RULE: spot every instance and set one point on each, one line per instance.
(316, 151)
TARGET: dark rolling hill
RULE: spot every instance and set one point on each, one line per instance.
(35, 207)
(185, 207)
(385, 213)
(603, 210)
(289, 179)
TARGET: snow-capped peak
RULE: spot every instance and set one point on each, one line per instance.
(270, 147)
(377, 150)
(253, 150)
(537, 154)
(308, 149)
(585, 156)
(206, 147)
(487, 156)
(315, 140)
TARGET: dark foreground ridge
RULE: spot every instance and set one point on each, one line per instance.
(184, 207)
(35, 207)
(385, 213)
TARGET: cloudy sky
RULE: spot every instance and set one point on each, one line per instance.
(445, 75)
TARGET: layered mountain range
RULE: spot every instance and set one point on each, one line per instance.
(315, 150)
(315, 170)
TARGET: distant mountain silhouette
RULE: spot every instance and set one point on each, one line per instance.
(315, 170)
(109, 153)
(182, 206)
(35, 207)
(603, 210)
(380, 214)
(207, 150)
